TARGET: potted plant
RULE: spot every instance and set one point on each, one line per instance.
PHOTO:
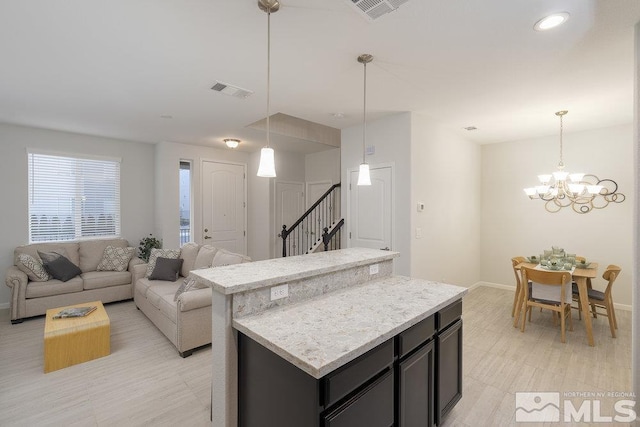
(146, 244)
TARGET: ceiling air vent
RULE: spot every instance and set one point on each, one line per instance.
(231, 90)
(374, 9)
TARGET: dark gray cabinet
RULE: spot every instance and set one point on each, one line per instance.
(448, 360)
(411, 380)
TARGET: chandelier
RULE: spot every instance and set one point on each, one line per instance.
(582, 192)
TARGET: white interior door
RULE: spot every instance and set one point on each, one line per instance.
(315, 190)
(370, 213)
(224, 206)
(289, 207)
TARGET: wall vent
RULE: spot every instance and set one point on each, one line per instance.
(231, 90)
(374, 9)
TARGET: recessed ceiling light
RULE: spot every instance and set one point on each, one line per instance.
(338, 115)
(232, 143)
(470, 128)
(551, 21)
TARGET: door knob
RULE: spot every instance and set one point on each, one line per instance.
(207, 237)
(385, 249)
(206, 229)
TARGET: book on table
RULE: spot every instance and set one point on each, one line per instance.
(74, 312)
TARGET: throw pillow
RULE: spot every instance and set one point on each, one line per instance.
(62, 269)
(50, 256)
(115, 258)
(188, 284)
(166, 269)
(164, 253)
(32, 268)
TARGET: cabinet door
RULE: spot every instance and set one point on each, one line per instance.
(448, 369)
(416, 388)
(372, 407)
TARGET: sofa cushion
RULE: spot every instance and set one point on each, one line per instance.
(166, 269)
(164, 253)
(71, 250)
(188, 253)
(154, 290)
(105, 279)
(33, 268)
(115, 258)
(61, 268)
(91, 251)
(53, 287)
(205, 257)
(224, 257)
(50, 256)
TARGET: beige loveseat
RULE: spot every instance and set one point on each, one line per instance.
(185, 319)
(32, 298)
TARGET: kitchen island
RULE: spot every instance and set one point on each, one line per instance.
(344, 328)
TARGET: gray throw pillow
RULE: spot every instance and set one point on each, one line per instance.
(62, 269)
(49, 256)
(166, 269)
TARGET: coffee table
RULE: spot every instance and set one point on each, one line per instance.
(74, 340)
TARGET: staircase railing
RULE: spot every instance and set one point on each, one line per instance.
(328, 236)
(306, 232)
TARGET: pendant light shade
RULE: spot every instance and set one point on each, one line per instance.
(364, 177)
(267, 167)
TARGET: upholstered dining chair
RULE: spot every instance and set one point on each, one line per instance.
(599, 299)
(550, 290)
(515, 261)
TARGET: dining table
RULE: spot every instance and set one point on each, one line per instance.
(582, 277)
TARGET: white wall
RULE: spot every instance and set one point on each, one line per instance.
(445, 176)
(136, 190)
(635, 283)
(323, 166)
(513, 225)
(391, 137)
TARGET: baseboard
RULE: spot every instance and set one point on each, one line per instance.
(623, 307)
(492, 285)
(4, 305)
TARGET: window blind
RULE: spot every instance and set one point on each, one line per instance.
(72, 198)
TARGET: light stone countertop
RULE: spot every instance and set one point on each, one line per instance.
(324, 333)
(236, 278)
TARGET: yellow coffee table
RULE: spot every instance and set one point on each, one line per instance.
(74, 340)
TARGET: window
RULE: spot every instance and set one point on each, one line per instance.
(185, 202)
(73, 198)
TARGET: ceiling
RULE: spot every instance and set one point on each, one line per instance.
(116, 68)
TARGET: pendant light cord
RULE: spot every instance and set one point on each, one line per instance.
(268, 71)
(364, 116)
(561, 164)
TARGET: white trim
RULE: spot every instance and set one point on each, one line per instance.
(4, 306)
(623, 307)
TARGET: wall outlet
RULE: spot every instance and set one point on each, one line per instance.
(420, 207)
(374, 268)
(280, 291)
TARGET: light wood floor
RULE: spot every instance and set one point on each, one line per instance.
(145, 382)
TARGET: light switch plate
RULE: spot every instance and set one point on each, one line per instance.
(280, 291)
(374, 268)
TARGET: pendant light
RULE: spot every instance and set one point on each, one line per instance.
(364, 178)
(267, 167)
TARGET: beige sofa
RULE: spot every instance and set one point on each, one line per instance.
(31, 298)
(186, 322)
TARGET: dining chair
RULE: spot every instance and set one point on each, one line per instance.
(550, 290)
(599, 299)
(514, 262)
